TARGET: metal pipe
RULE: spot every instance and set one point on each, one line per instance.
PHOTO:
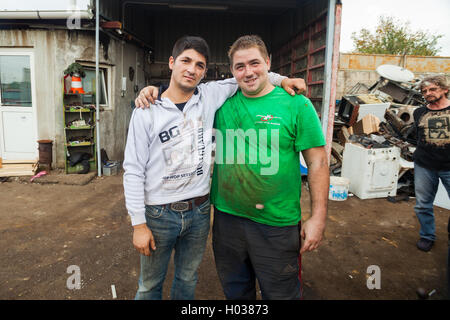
(57, 14)
(334, 76)
(331, 61)
(328, 63)
(137, 2)
(97, 82)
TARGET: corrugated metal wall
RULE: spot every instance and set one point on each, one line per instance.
(218, 29)
(111, 9)
(161, 27)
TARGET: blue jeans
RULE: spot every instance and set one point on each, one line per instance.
(426, 183)
(186, 233)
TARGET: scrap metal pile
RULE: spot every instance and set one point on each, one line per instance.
(380, 116)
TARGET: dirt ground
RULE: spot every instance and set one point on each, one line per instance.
(46, 228)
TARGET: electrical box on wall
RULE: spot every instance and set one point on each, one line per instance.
(373, 173)
(124, 86)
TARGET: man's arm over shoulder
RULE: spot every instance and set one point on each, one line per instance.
(219, 91)
(137, 155)
(224, 89)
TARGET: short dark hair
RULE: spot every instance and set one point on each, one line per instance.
(191, 42)
(247, 42)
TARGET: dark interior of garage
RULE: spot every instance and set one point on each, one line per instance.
(293, 30)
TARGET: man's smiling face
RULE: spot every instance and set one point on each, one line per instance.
(251, 70)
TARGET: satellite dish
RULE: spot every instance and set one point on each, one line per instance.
(395, 73)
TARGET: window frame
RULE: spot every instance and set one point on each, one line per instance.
(17, 54)
(107, 82)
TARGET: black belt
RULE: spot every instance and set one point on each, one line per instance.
(186, 205)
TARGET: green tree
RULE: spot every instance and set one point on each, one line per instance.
(393, 37)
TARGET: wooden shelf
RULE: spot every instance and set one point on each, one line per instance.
(80, 128)
(79, 106)
(79, 94)
(81, 144)
(78, 110)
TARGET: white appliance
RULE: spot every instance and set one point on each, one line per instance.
(442, 200)
(373, 173)
(376, 109)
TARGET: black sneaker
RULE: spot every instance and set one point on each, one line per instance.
(425, 244)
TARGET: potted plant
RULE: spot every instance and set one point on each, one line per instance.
(76, 71)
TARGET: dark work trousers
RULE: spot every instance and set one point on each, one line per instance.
(245, 250)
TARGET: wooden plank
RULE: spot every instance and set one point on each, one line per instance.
(368, 124)
(19, 161)
(19, 165)
(13, 170)
(16, 173)
(111, 25)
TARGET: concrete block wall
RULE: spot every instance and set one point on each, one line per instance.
(361, 68)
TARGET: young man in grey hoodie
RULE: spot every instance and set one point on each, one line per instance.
(167, 169)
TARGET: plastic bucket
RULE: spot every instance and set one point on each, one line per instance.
(338, 188)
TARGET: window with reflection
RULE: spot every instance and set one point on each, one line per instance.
(15, 81)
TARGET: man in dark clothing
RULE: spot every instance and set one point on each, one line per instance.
(448, 259)
(432, 156)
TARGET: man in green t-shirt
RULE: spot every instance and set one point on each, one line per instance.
(256, 187)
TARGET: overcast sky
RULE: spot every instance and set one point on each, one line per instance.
(431, 15)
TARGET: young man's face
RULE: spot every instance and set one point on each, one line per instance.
(433, 93)
(251, 70)
(188, 69)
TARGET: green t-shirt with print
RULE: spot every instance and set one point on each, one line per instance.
(257, 165)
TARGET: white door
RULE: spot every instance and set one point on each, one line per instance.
(18, 129)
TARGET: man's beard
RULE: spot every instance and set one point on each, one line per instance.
(433, 99)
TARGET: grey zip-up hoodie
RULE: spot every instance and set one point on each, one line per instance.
(168, 151)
